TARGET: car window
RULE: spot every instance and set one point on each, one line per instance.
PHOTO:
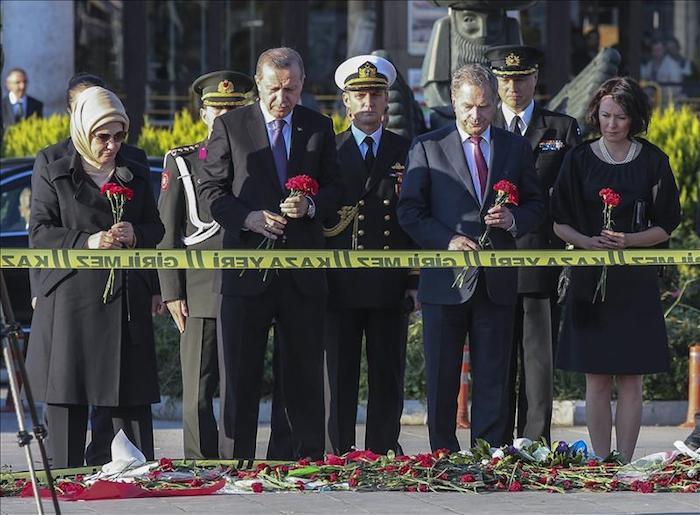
(15, 196)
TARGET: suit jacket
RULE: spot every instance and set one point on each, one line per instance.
(34, 106)
(550, 135)
(438, 201)
(376, 196)
(240, 177)
(196, 286)
(128, 153)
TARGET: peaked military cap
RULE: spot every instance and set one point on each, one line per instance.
(224, 88)
(513, 59)
(365, 72)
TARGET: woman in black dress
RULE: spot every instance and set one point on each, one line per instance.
(86, 348)
(623, 336)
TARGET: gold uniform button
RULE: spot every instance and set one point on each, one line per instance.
(387, 233)
(386, 201)
(360, 232)
(360, 247)
(387, 217)
(360, 217)
(361, 202)
(386, 247)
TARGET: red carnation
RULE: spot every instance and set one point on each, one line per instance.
(165, 464)
(507, 190)
(515, 486)
(610, 197)
(302, 185)
(467, 478)
(332, 459)
(257, 487)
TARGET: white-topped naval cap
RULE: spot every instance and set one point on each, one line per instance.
(365, 72)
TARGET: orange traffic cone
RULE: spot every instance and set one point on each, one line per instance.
(463, 397)
(693, 385)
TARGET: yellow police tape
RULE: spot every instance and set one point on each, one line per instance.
(262, 259)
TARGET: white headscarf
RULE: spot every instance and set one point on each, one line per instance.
(94, 108)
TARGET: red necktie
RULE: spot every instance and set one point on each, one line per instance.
(481, 167)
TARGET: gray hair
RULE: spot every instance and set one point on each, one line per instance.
(279, 58)
(475, 75)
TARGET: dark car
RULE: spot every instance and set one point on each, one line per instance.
(15, 196)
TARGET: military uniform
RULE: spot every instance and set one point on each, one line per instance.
(369, 303)
(189, 225)
(550, 135)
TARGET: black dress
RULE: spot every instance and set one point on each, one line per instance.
(626, 333)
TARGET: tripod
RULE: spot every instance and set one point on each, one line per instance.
(9, 330)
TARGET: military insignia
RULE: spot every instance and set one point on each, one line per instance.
(225, 86)
(165, 180)
(512, 60)
(202, 155)
(397, 174)
(551, 145)
(367, 71)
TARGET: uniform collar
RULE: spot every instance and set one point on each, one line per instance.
(525, 116)
(360, 136)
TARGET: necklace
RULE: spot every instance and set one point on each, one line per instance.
(609, 159)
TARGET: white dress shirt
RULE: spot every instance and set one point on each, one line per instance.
(360, 140)
(468, 148)
(286, 130)
(15, 104)
(525, 117)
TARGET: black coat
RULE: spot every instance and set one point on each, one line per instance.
(34, 106)
(550, 135)
(81, 350)
(376, 196)
(195, 286)
(66, 148)
(240, 177)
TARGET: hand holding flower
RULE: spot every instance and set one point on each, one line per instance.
(295, 206)
(499, 216)
(123, 232)
(614, 240)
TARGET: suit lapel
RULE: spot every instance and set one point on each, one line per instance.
(298, 141)
(452, 147)
(499, 120)
(353, 165)
(261, 143)
(536, 128)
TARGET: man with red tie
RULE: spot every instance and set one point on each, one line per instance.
(446, 203)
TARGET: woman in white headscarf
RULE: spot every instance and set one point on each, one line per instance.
(86, 349)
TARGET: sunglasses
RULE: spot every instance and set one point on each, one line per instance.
(104, 137)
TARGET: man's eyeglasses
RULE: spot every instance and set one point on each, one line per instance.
(104, 137)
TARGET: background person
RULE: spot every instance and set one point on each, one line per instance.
(252, 152)
(17, 105)
(84, 351)
(550, 136)
(368, 304)
(446, 202)
(624, 337)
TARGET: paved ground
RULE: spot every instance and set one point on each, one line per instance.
(168, 437)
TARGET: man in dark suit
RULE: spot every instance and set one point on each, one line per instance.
(446, 203)
(369, 303)
(98, 450)
(252, 152)
(17, 105)
(550, 136)
(188, 294)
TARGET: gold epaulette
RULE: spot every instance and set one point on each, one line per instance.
(186, 149)
(347, 216)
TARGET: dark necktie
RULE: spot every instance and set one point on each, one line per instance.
(279, 151)
(516, 126)
(481, 167)
(369, 155)
(19, 114)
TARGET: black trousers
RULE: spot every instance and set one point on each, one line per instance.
(445, 328)
(245, 323)
(385, 332)
(99, 450)
(67, 425)
(532, 367)
(200, 379)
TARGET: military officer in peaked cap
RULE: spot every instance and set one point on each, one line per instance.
(190, 294)
(550, 135)
(369, 303)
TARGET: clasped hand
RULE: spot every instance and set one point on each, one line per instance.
(459, 242)
(272, 225)
(608, 240)
(118, 236)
